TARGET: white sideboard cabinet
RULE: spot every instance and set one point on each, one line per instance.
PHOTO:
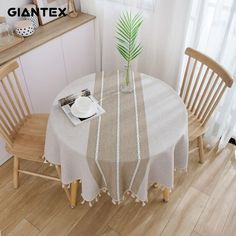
(45, 74)
(50, 67)
(82, 62)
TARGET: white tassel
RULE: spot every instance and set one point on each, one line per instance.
(113, 202)
(90, 204)
(96, 199)
(82, 203)
(63, 186)
(80, 181)
(45, 161)
(155, 185)
(143, 204)
(132, 195)
(51, 164)
(104, 190)
(68, 186)
(108, 194)
(136, 200)
(99, 195)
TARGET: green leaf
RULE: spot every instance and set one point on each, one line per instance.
(123, 53)
(122, 29)
(127, 30)
(136, 52)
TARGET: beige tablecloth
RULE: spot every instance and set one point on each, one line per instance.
(140, 140)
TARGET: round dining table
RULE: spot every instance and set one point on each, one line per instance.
(140, 140)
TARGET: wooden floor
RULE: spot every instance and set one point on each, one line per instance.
(203, 202)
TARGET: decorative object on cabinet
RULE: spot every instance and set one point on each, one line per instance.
(2, 19)
(49, 4)
(33, 18)
(7, 37)
(6, 32)
(128, 28)
(71, 9)
(24, 28)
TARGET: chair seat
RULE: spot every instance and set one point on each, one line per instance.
(195, 128)
(29, 141)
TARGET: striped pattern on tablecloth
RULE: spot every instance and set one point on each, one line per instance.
(118, 151)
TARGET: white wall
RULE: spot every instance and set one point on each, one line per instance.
(4, 156)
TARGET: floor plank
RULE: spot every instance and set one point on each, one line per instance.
(212, 171)
(230, 225)
(218, 207)
(23, 228)
(18, 203)
(137, 220)
(131, 219)
(102, 211)
(63, 222)
(109, 232)
(194, 233)
(43, 205)
(187, 213)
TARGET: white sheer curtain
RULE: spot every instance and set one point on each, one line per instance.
(162, 35)
(212, 30)
(170, 26)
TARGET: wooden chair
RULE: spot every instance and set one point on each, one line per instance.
(204, 84)
(23, 132)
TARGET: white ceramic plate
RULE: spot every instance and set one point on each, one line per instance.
(75, 112)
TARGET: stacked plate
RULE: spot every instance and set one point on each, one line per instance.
(84, 107)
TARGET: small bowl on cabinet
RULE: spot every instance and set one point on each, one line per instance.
(24, 28)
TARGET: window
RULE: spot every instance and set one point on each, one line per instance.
(142, 4)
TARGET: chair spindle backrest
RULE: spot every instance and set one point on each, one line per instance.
(204, 84)
(13, 106)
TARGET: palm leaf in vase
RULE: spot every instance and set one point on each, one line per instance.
(128, 27)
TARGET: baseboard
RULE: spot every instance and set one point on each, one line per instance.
(4, 157)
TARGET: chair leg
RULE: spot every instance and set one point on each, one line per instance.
(201, 150)
(16, 165)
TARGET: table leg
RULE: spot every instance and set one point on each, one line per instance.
(74, 193)
(166, 194)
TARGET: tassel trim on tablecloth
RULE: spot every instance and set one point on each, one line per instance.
(125, 195)
(115, 202)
